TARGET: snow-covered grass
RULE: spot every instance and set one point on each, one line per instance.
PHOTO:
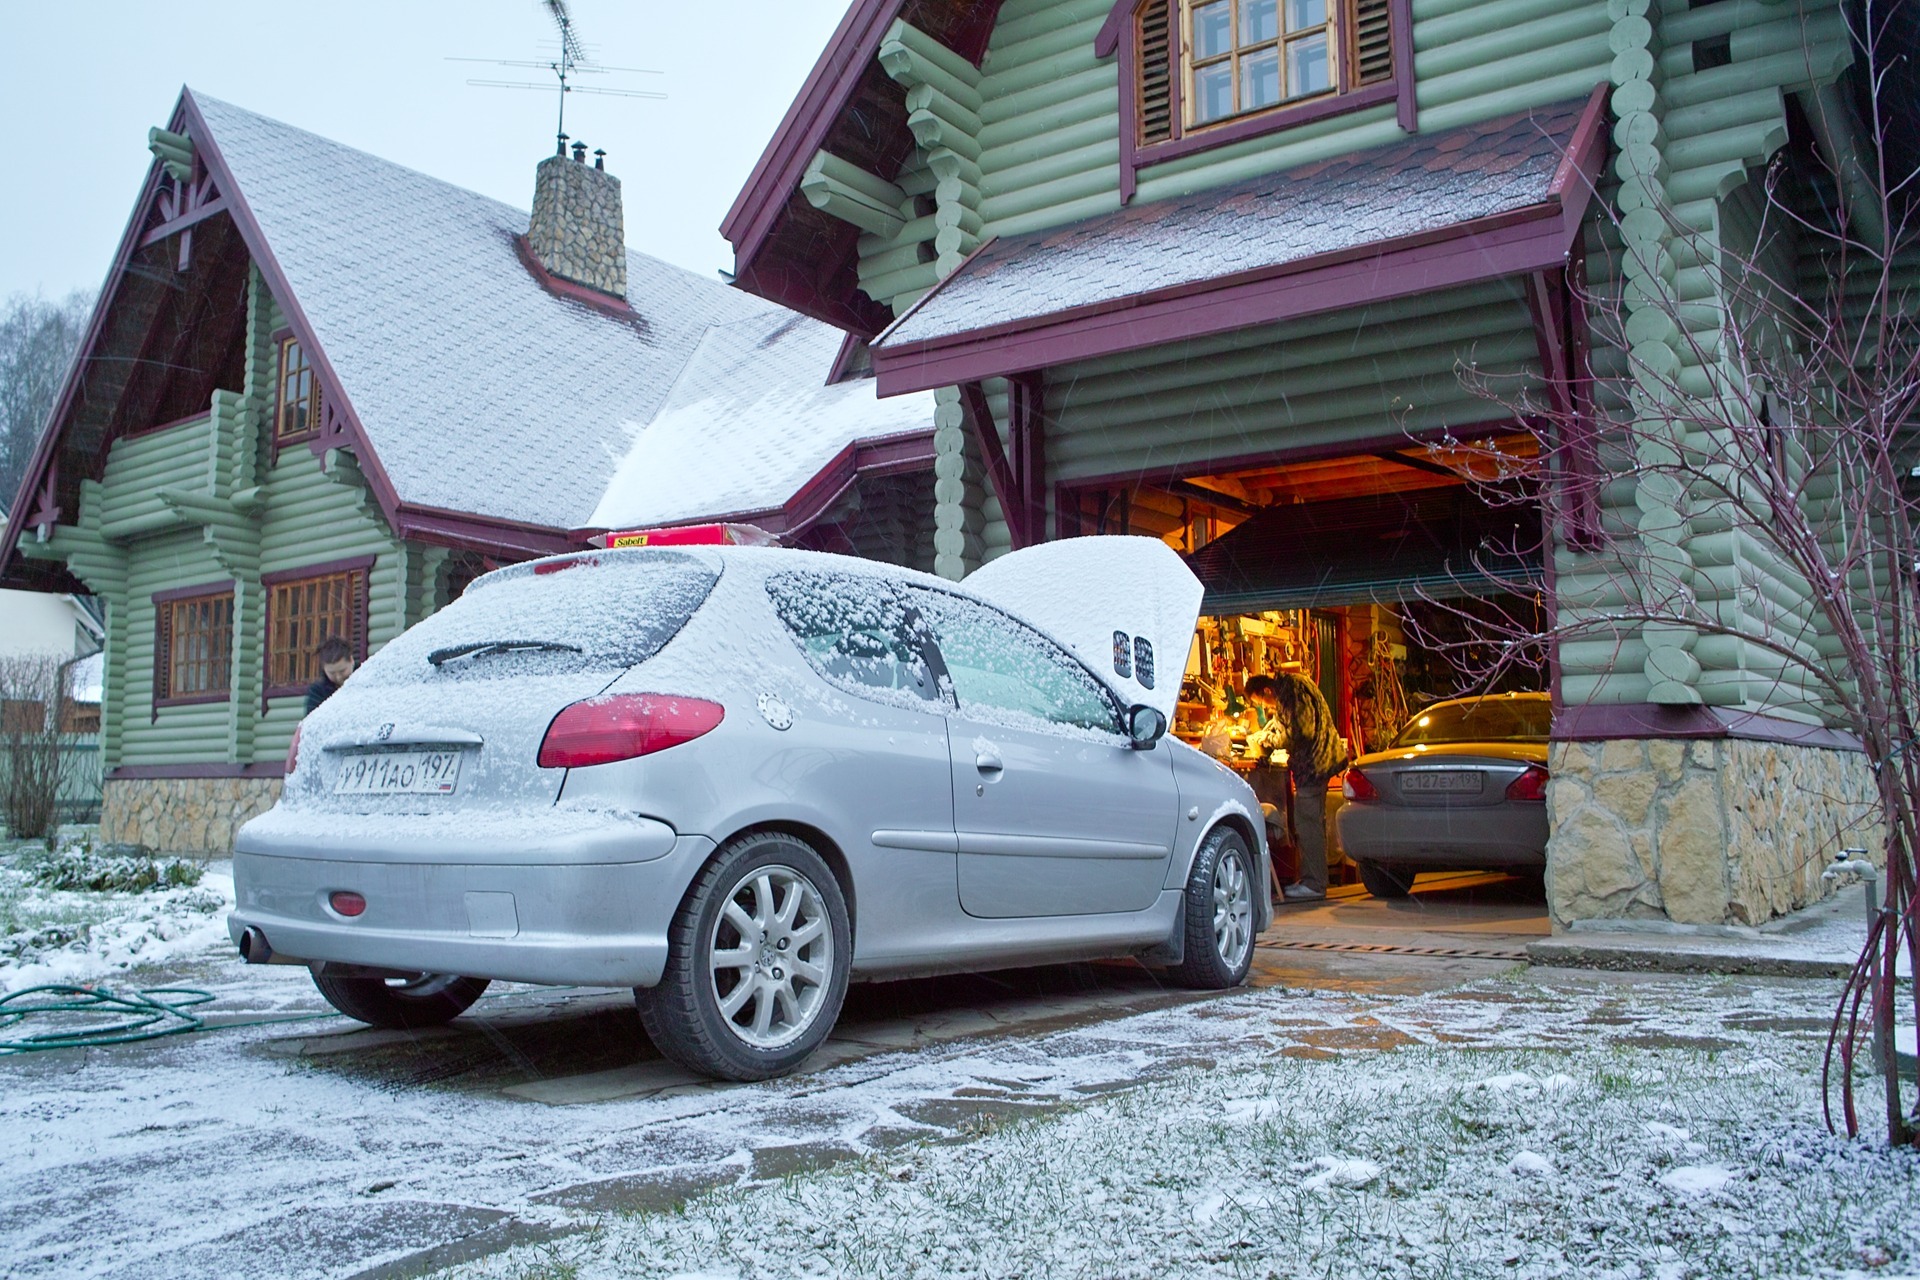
(56, 929)
(1431, 1161)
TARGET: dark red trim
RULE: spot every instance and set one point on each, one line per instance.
(1513, 243)
(175, 225)
(1107, 39)
(362, 565)
(1406, 109)
(162, 660)
(1599, 723)
(881, 456)
(1586, 150)
(1274, 119)
(1006, 488)
(137, 772)
(843, 358)
(776, 176)
(46, 450)
(207, 147)
(172, 594)
(611, 304)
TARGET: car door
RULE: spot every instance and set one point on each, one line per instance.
(1054, 812)
(874, 748)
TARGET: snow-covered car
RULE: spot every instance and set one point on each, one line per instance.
(1464, 785)
(734, 778)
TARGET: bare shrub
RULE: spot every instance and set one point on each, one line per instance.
(34, 756)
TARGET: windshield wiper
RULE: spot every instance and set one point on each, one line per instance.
(486, 648)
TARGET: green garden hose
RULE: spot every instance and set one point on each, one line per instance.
(133, 1015)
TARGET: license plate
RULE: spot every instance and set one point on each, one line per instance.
(1450, 781)
(433, 773)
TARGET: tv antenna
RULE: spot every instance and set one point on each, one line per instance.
(572, 59)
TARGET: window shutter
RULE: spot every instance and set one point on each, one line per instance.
(1156, 71)
(1372, 41)
(162, 653)
(357, 593)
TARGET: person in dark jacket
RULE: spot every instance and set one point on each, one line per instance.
(335, 657)
(1299, 730)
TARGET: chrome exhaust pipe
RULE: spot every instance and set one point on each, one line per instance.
(254, 948)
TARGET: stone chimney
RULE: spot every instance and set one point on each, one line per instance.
(578, 230)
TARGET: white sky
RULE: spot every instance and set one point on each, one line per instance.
(82, 80)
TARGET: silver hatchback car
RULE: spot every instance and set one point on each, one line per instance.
(735, 778)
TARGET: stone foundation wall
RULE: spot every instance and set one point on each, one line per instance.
(1722, 831)
(196, 816)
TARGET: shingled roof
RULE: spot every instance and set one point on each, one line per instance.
(485, 402)
(1468, 195)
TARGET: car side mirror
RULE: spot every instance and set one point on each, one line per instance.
(1145, 726)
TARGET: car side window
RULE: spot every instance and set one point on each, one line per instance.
(1010, 671)
(855, 632)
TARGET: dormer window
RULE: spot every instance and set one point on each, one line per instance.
(1203, 73)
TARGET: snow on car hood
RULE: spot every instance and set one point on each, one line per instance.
(1101, 596)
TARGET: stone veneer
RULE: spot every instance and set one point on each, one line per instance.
(1722, 831)
(197, 816)
(578, 229)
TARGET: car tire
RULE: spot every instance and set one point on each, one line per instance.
(747, 995)
(1383, 881)
(1218, 907)
(425, 1000)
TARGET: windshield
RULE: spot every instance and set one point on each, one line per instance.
(583, 615)
(1480, 720)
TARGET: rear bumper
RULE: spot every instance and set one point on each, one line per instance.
(491, 912)
(1496, 836)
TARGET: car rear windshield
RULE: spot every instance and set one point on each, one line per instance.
(1492, 720)
(585, 614)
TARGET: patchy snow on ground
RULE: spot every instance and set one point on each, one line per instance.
(71, 937)
(1629, 1142)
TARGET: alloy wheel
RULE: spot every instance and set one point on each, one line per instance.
(1232, 909)
(771, 957)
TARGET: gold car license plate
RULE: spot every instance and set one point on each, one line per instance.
(434, 773)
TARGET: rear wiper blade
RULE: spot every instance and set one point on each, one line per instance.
(485, 648)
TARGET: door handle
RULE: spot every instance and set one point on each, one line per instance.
(987, 761)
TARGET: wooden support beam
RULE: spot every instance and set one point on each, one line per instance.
(979, 415)
(1026, 398)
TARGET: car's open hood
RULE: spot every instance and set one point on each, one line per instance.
(1082, 591)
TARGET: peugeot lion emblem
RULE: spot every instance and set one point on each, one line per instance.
(386, 731)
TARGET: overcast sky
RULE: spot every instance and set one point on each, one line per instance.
(82, 80)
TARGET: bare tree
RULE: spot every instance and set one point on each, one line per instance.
(34, 757)
(38, 340)
(1780, 407)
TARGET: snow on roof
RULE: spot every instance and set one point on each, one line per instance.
(749, 422)
(1422, 184)
(480, 391)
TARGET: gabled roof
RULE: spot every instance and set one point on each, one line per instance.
(486, 402)
(479, 390)
(1495, 198)
(751, 432)
(784, 248)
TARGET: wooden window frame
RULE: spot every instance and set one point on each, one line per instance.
(1136, 155)
(1337, 35)
(164, 603)
(270, 584)
(283, 341)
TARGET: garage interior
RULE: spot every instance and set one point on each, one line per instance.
(1366, 572)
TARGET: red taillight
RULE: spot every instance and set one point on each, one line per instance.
(1530, 787)
(293, 749)
(346, 902)
(1358, 788)
(545, 567)
(602, 730)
